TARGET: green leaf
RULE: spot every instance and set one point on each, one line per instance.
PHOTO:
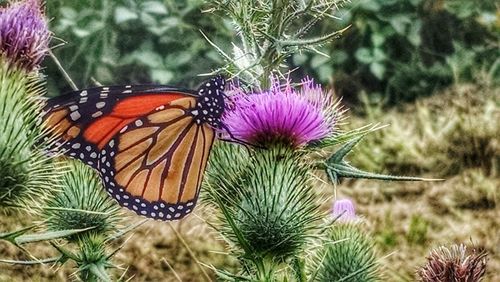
(80, 32)
(300, 58)
(372, 6)
(364, 55)
(51, 235)
(100, 272)
(154, 7)
(378, 70)
(68, 12)
(11, 236)
(339, 57)
(325, 73)
(414, 33)
(336, 167)
(399, 23)
(378, 55)
(148, 19)
(378, 39)
(32, 262)
(123, 14)
(318, 60)
(149, 58)
(161, 75)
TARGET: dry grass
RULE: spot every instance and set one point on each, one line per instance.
(452, 135)
(151, 253)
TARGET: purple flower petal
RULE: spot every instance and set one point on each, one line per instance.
(343, 211)
(24, 35)
(281, 114)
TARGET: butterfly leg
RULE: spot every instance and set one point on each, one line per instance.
(233, 139)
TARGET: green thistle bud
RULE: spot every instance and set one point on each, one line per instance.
(275, 211)
(348, 256)
(81, 203)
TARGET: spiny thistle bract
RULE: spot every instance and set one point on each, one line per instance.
(347, 256)
(92, 259)
(26, 174)
(226, 172)
(273, 213)
(270, 31)
(81, 203)
(277, 208)
(456, 263)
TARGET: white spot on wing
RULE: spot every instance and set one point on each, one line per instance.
(75, 115)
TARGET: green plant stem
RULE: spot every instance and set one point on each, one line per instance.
(61, 69)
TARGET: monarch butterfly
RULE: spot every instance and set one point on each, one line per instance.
(150, 144)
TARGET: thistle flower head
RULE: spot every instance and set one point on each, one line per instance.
(24, 34)
(282, 114)
(343, 211)
(454, 264)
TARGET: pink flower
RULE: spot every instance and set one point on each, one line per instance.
(343, 211)
(282, 114)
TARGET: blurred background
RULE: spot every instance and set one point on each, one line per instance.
(429, 69)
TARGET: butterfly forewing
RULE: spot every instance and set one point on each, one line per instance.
(85, 121)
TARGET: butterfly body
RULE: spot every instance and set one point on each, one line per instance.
(150, 144)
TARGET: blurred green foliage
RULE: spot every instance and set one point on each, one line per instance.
(404, 49)
(395, 49)
(127, 41)
(418, 229)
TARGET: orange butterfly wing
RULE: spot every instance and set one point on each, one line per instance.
(149, 143)
(155, 164)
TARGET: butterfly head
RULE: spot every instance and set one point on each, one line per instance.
(210, 102)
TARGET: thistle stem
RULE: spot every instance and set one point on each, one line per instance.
(64, 73)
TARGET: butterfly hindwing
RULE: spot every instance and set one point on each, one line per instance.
(155, 165)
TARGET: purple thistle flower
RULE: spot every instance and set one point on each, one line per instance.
(343, 211)
(24, 35)
(282, 114)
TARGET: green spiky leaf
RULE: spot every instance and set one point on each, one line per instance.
(336, 167)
